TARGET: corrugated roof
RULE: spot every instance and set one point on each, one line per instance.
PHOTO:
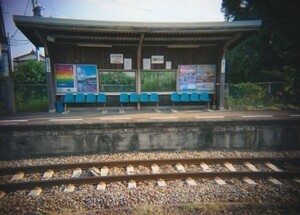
(72, 31)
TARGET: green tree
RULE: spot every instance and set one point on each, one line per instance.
(273, 53)
(30, 72)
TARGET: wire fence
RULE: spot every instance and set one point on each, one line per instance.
(238, 96)
(255, 95)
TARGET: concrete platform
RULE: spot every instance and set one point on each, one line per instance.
(89, 131)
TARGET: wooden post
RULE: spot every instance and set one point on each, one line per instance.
(49, 76)
(138, 67)
(232, 40)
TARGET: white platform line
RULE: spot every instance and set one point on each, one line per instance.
(295, 115)
(14, 120)
(120, 118)
(209, 117)
(257, 116)
(62, 120)
(164, 117)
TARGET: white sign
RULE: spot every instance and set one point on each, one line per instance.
(5, 68)
(157, 59)
(146, 63)
(168, 65)
(47, 62)
(223, 65)
(127, 63)
(116, 58)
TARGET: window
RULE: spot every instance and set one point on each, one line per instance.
(158, 81)
(116, 81)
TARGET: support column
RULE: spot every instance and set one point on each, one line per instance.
(222, 85)
(138, 67)
(49, 75)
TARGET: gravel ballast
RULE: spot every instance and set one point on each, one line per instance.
(207, 197)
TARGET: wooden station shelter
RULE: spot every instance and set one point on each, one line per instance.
(113, 57)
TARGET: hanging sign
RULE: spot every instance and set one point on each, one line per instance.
(168, 64)
(5, 67)
(127, 63)
(47, 62)
(157, 59)
(146, 63)
(116, 58)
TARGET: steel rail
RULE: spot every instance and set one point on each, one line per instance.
(143, 177)
(124, 163)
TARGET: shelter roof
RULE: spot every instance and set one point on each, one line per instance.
(41, 30)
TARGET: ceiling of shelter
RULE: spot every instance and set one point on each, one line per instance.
(41, 30)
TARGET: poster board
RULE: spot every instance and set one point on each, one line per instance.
(65, 78)
(197, 78)
(86, 78)
(72, 78)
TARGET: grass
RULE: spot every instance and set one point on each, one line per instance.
(33, 105)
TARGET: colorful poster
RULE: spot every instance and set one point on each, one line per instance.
(65, 78)
(206, 78)
(187, 78)
(197, 78)
(86, 78)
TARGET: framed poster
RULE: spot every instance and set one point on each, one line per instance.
(86, 78)
(65, 78)
(197, 78)
(187, 78)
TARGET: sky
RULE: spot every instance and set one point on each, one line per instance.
(109, 10)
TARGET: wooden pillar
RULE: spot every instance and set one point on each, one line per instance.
(222, 85)
(138, 67)
(49, 76)
(232, 40)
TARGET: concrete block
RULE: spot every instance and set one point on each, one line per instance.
(161, 183)
(131, 184)
(48, 174)
(219, 181)
(130, 170)
(273, 167)
(155, 168)
(76, 173)
(18, 176)
(251, 167)
(2, 194)
(205, 167)
(190, 182)
(101, 186)
(274, 181)
(95, 171)
(35, 192)
(104, 171)
(179, 168)
(230, 167)
(249, 181)
(69, 189)
(297, 180)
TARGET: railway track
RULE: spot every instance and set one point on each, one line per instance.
(98, 172)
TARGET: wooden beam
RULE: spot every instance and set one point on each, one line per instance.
(229, 42)
(138, 66)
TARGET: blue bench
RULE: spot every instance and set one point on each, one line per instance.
(136, 98)
(80, 98)
(185, 97)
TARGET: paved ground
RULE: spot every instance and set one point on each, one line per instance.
(96, 116)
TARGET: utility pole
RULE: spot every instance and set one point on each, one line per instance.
(8, 86)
